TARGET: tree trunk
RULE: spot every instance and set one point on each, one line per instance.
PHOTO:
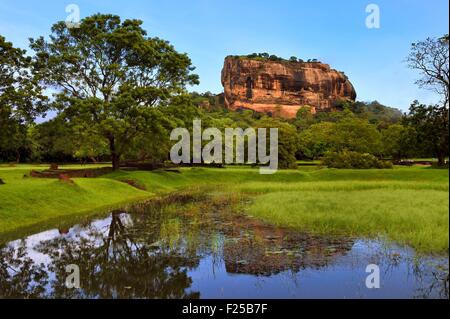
(441, 159)
(115, 157)
(115, 161)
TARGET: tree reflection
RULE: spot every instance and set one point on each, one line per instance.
(149, 253)
(119, 265)
(19, 276)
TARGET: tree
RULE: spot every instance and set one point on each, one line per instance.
(55, 140)
(430, 57)
(304, 118)
(293, 59)
(398, 141)
(87, 144)
(356, 135)
(315, 141)
(377, 113)
(287, 141)
(431, 124)
(273, 57)
(111, 76)
(21, 99)
(348, 133)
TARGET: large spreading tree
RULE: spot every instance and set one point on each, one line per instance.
(430, 58)
(110, 78)
(431, 122)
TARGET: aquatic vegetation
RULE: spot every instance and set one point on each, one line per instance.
(154, 250)
(407, 205)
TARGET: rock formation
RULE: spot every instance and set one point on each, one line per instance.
(282, 87)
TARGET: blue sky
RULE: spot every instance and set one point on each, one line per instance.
(331, 31)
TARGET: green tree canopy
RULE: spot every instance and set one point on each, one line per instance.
(21, 99)
(348, 133)
(110, 76)
(431, 124)
(398, 141)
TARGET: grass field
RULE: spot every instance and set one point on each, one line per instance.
(408, 205)
(25, 202)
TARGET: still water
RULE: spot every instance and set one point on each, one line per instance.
(168, 250)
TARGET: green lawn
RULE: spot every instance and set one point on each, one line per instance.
(418, 217)
(407, 204)
(25, 202)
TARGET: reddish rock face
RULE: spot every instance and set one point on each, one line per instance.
(282, 88)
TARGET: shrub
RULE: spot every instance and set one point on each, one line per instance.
(349, 159)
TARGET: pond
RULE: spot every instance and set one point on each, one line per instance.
(199, 248)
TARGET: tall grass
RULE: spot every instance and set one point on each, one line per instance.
(408, 205)
(418, 217)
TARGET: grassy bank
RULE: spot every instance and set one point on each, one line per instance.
(28, 201)
(410, 216)
(408, 204)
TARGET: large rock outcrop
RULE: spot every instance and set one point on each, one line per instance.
(282, 87)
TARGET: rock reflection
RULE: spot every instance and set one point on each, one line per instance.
(159, 250)
(253, 247)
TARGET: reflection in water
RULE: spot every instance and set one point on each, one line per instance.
(167, 250)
